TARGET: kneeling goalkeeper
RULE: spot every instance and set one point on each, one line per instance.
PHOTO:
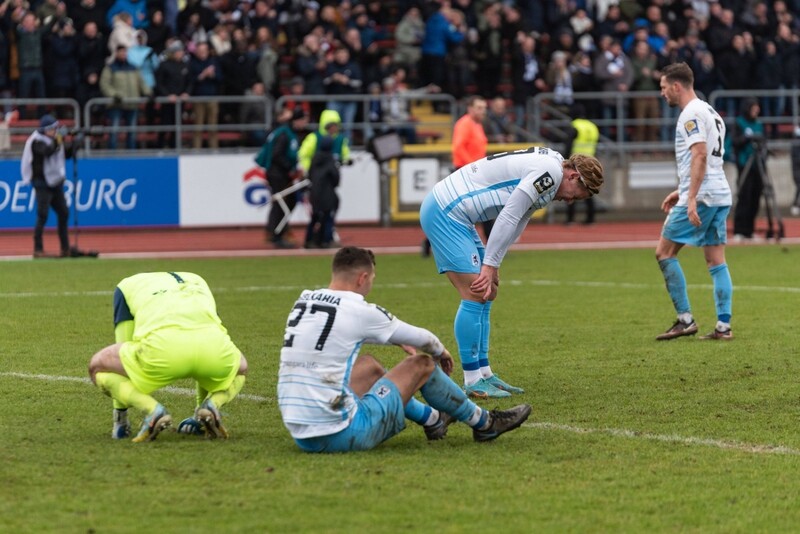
(167, 328)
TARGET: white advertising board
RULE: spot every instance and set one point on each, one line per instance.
(229, 190)
(417, 176)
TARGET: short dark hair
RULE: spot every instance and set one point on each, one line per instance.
(679, 72)
(352, 258)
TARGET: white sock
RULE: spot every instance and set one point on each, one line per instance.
(685, 318)
(476, 417)
(723, 327)
(486, 372)
(432, 418)
(471, 377)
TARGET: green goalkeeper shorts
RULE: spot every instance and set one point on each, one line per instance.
(205, 354)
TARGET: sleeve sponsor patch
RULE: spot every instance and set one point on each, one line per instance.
(691, 127)
(543, 183)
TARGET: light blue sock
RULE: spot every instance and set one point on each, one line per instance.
(676, 284)
(467, 328)
(483, 351)
(445, 395)
(417, 411)
(723, 291)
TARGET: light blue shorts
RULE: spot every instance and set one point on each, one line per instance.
(712, 230)
(380, 415)
(456, 247)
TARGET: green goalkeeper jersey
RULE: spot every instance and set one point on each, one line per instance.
(146, 302)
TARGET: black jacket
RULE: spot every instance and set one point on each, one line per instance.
(324, 177)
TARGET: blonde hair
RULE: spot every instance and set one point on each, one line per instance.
(590, 169)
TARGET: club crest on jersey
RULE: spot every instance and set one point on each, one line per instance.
(543, 183)
(691, 127)
(475, 260)
(382, 391)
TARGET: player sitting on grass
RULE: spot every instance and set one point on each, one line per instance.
(333, 400)
(167, 328)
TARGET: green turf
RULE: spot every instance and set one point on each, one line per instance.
(627, 434)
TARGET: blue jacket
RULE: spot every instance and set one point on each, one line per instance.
(438, 34)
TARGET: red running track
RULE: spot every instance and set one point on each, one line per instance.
(251, 241)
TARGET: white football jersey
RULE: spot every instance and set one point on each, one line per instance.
(699, 123)
(316, 358)
(478, 191)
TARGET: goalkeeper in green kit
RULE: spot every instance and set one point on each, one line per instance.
(167, 328)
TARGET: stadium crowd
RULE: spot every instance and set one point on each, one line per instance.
(511, 49)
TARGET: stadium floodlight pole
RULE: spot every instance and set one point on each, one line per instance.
(277, 198)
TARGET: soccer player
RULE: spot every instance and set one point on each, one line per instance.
(697, 210)
(167, 328)
(507, 187)
(332, 399)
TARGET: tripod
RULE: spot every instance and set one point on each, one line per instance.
(74, 250)
(775, 226)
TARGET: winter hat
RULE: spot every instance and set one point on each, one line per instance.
(47, 122)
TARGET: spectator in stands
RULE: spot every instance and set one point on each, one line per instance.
(302, 24)
(29, 57)
(691, 46)
(527, 74)
(254, 112)
(343, 79)
(721, 30)
(46, 12)
(487, 51)
(559, 80)
(613, 24)
(267, 66)
(220, 40)
(395, 104)
(581, 23)
(206, 17)
(61, 66)
(440, 33)
(583, 82)
(787, 43)
(408, 36)
(614, 74)
(310, 64)
(122, 34)
(499, 126)
(459, 66)
(174, 82)
(706, 79)
(768, 77)
(87, 11)
(238, 72)
(193, 31)
(122, 81)
(297, 88)
(158, 32)
(91, 61)
(5, 74)
(366, 56)
(144, 58)
(137, 9)
(756, 21)
(736, 67)
(645, 78)
(204, 73)
(264, 15)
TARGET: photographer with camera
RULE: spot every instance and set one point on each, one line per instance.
(44, 166)
(749, 146)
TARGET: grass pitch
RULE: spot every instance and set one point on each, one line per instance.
(627, 434)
